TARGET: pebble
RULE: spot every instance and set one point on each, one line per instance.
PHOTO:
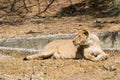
(2, 78)
(109, 68)
(42, 64)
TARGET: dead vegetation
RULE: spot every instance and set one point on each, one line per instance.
(60, 69)
(44, 8)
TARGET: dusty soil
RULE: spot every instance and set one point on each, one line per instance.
(44, 26)
(50, 69)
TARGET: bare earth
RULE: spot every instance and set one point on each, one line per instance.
(49, 69)
(44, 26)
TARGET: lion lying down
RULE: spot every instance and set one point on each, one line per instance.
(91, 50)
(89, 45)
(63, 48)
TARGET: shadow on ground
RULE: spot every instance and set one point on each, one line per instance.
(96, 9)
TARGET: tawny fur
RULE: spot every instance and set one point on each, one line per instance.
(92, 49)
(57, 49)
(63, 48)
(89, 47)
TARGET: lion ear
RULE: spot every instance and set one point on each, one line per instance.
(86, 32)
(77, 31)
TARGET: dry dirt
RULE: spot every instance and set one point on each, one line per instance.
(49, 69)
(44, 26)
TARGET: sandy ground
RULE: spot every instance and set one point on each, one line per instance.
(50, 69)
(17, 69)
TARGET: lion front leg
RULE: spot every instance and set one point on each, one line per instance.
(96, 56)
(42, 54)
(102, 56)
(89, 56)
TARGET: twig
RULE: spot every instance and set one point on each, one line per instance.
(48, 6)
(13, 5)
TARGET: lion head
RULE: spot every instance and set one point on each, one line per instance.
(81, 37)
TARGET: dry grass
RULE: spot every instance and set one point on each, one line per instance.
(58, 25)
(49, 69)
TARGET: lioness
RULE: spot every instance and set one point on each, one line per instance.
(89, 47)
(91, 50)
(63, 48)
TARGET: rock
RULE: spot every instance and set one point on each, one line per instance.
(109, 68)
(39, 76)
(5, 57)
(25, 59)
(56, 67)
(42, 64)
(2, 78)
